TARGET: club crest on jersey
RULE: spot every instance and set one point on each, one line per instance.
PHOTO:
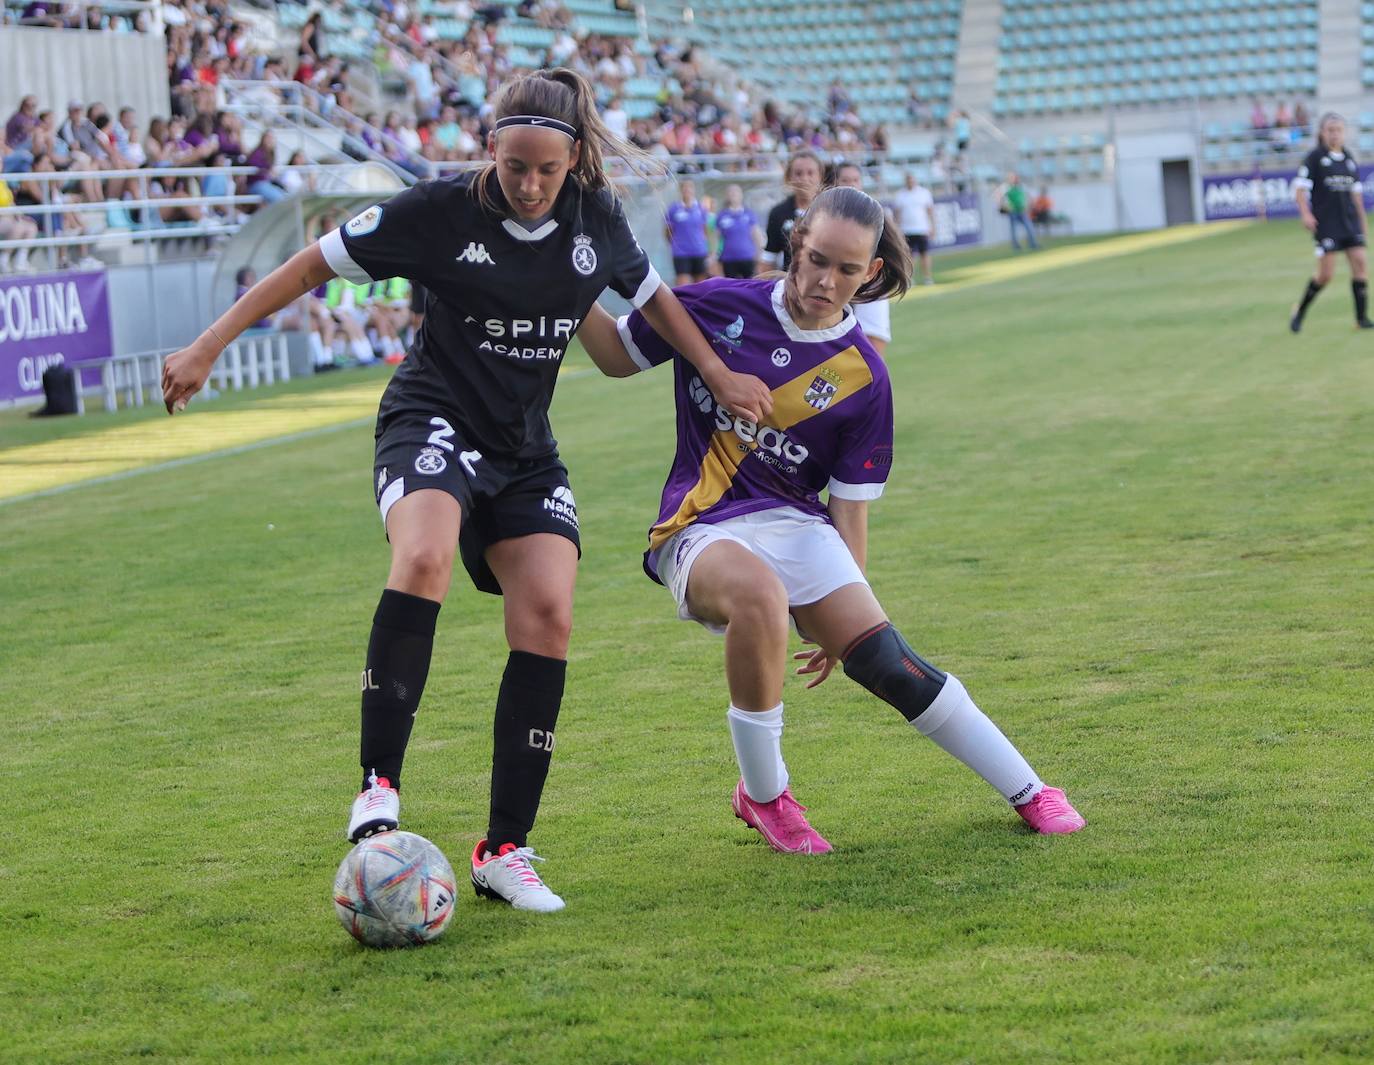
(820, 392)
(477, 254)
(362, 224)
(583, 255)
(431, 461)
(781, 356)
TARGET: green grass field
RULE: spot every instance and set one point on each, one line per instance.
(1129, 510)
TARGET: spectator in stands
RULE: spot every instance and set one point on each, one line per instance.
(295, 181)
(1012, 202)
(963, 130)
(19, 128)
(803, 177)
(311, 43)
(14, 227)
(264, 157)
(617, 121)
(127, 141)
(42, 13)
(914, 206)
(1258, 118)
(1301, 119)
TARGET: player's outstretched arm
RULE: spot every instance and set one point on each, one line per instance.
(185, 372)
(601, 338)
(740, 393)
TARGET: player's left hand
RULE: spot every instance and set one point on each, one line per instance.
(817, 661)
(743, 394)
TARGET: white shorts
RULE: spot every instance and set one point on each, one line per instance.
(805, 551)
(875, 319)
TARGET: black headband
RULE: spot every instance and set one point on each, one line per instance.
(537, 120)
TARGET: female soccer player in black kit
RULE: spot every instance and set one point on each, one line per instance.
(1330, 178)
(513, 257)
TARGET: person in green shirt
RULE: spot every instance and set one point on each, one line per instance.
(1013, 205)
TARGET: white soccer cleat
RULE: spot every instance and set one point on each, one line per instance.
(376, 809)
(509, 877)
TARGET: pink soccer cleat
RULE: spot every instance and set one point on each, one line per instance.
(780, 822)
(1049, 813)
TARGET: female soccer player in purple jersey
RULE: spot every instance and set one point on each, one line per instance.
(512, 256)
(743, 539)
(685, 225)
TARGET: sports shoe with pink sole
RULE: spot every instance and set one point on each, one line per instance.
(781, 822)
(1049, 813)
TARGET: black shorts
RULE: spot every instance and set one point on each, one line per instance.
(417, 298)
(690, 264)
(501, 498)
(1338, 242)
(738, 267)
(919, 243)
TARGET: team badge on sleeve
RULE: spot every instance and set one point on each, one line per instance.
(583, 255)
(363, 224)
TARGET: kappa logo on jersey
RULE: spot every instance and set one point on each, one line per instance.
(362, 224)
(820, 392)
(562, 505)
(476, 253)
(781, 356)
(431, 461)
(583, 255)
(381, 480)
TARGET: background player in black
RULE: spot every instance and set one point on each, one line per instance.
(1330, 179)
(513, 257)
(803, 175)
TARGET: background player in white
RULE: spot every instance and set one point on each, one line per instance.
(1331, 204)
(743, 540)
(875, 316)
(513, 255)
(915, 207)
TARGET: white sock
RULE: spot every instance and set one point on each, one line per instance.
(361, 351)
(758, 749)
(956, 725)
(318, 356)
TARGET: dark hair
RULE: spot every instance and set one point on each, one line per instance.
(567, 96)
(840, 201)
(796, 157)
(1330, 116)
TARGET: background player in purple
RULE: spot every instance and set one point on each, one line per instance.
(741, 239)
(686, 227)
(513, 254)
(742, 538)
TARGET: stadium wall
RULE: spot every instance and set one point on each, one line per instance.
(117, 69)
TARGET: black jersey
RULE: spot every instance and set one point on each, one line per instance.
(504, 302)
(1331, 178)
(781, 219)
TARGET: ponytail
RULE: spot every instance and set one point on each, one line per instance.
(568, 97)
(840, 201)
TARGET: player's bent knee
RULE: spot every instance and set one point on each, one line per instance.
(542, 626)
(884, 663)
(421, 568)
(761, 606)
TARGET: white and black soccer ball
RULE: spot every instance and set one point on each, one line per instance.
(394, 889)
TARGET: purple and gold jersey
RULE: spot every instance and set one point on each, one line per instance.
(831, 426)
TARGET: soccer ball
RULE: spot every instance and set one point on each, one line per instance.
(394, 889)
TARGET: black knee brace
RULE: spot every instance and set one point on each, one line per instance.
(886, 665)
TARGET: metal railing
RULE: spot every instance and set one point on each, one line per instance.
(252, 360)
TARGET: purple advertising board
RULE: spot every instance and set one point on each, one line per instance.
(958, 222)
(47, 319)
(1260, 194)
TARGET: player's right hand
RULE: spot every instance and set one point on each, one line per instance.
(745, 395)
(185, 373)
(1310, 221)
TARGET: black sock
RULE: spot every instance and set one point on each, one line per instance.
(1307, 297)
(397, 666)
(526, 712)
(1361, 292)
